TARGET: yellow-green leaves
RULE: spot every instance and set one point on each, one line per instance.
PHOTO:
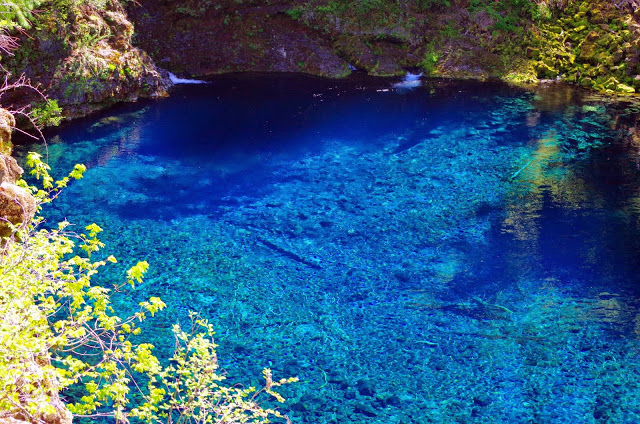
(136, 273)
(46, 113)
(191, 389)
(145, 361)
(270, 384)
(76, 174)
(154, 305)
(90, 241)
(93, 229)
(16, 13)
(50, 188)
(40, 169)
(57, 325)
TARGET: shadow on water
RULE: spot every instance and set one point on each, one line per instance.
(572, 208)
(236, 131)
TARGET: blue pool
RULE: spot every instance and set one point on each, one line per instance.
(453, 252)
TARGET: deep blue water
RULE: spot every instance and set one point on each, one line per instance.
(457, 252)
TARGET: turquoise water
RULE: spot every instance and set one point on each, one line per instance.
(457, 252)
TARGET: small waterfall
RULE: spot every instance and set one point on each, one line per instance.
(410, 81)
(174, 79)
(412, 77)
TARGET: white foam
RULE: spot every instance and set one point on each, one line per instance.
(174, 79)
(410, 81)
(412, 77)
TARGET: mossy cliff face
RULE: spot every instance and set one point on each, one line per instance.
(201, 37)
(592, 43)
(82, 55)
(595, 44)
(321, 37)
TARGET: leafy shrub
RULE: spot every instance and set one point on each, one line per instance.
(58, 330)
(295, 13)
(507, 14)
(425, 5)
(429, 62)
(46, 113)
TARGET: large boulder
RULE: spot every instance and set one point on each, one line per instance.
(7, 124)
(17, 205)
(10, 171)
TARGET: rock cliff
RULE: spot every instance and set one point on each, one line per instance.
(81, 54)
(17, 205)
(588, 42)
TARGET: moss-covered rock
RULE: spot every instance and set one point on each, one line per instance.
(592, 45)
(84, 58)
(545, 71)
(7, 124)
(623, 88)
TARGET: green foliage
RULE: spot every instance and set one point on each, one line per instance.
(425, 5)
(450, 30)
(357, 13)
(542, 12)
(58, 330)
(90, 32)
(507, 15)
(295, 13)
(195, 362)
(17, 13)
(46, 113)
(194, 8)
(429, 62)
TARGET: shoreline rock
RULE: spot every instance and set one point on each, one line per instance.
(17, 205)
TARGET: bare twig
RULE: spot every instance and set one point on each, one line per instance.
(23, 83)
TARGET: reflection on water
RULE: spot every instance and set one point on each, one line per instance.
(534, 179)
(585, 209)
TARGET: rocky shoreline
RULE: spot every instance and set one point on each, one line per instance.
(88, 58)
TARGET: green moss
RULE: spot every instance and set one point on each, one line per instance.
(429, 63)
(623, 88)
(545, 71)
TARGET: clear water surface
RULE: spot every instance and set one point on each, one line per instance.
(454, 252)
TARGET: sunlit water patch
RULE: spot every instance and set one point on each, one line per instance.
(457, 252)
